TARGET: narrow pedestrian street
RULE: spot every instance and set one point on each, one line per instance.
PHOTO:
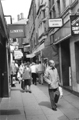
(36, 105)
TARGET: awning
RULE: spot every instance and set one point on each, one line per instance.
(41, 47)
(51, 52)
(30, 55)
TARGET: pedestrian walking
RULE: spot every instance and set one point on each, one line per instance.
(13, 71)
(34, 72)
(52, 78)
(21, 68)
(40, 71)
(27, 77)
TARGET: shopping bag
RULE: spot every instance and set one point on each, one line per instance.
(56, 96)
(22, 84)
(61, 91)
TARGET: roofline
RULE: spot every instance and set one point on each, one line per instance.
(30, 9)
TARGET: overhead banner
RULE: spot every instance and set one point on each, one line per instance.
(74, 24)
(16, 30)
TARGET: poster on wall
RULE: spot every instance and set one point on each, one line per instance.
(74, 24)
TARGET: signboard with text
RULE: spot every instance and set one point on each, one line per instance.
(16, 30)
(55, 23)
(74, 24)
(18, 54)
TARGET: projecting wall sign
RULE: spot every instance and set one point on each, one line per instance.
(55, 22)
(74, 24)
(16, 31)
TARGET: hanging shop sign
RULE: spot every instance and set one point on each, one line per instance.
(55, 23)
(18, 54)
(74, 24)
(16, 30)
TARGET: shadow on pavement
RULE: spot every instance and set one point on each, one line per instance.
(9, 112)
(45, 103)
(22, 91)
(0, 100)
(16, 89)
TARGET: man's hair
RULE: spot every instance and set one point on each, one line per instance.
(51, 62)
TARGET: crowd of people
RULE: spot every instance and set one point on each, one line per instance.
(20, 72)
(32, 73)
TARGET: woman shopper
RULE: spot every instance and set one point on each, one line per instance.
(27, 77)
(52, 78)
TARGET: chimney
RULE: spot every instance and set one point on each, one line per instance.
(22, 16)
(18, 17)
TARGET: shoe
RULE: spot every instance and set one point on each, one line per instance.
(30, 91)
(54, 109)
(55, 105)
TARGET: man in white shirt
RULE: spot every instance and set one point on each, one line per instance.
(34, 73)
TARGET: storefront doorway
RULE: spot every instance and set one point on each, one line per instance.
(65, 64)
(77, 60)
(3, 72)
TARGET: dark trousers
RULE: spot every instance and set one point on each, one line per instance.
(34, 76)
(54, 97)
(12, 75)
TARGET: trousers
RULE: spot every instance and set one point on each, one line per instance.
(54, 96)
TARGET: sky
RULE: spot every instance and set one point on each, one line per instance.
(15, 7)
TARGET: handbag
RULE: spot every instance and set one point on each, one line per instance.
(61, 91)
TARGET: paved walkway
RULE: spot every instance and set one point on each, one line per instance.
(36, 106)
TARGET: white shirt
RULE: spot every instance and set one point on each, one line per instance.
(33, 68)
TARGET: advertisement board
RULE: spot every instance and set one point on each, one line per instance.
(74, 24)
(16, 30)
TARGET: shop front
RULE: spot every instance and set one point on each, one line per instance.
(4, 57)
(74, 48)
(62, 38)
(4, 67)
(68, 54)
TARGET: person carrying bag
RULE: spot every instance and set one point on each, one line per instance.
(27, 78)
(52, 78)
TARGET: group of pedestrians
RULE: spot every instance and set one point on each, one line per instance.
(29, 73)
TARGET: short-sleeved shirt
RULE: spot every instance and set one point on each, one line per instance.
(27, 73)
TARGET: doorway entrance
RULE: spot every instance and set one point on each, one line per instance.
(65, 54)
(3, 72)
(77, 60)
